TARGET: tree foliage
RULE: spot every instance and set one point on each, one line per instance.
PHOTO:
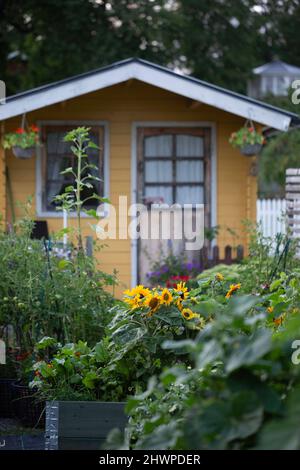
(214, 40)
(282, 152)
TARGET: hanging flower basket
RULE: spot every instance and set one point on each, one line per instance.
(22, 142)
(248, 140)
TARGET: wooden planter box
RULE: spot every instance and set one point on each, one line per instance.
(81, 425)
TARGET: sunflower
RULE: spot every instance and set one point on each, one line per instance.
(153, 302)
(139, 290)
(179, 304)
(219, 277)
(188, 314)
(232, 289)
(270, 309)
(166, 297)
(133, 302)
(136, 295)
(181, 290)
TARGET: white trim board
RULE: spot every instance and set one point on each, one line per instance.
(106, 170)
(213, 147)
(153, 75)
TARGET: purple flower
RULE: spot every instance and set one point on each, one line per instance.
(189, 266)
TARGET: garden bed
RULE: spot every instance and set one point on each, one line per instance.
(81, 425)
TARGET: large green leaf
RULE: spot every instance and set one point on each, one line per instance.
(161, 438)
(220, 422)
(246, 350)
(283, 434)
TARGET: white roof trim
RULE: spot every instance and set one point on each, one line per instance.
(158, 77)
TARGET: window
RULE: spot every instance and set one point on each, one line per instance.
(174, 166)
(57, 156)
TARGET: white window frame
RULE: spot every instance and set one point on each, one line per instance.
(134, 159)
(106, 171)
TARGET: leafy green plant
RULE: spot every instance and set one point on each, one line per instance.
(267, 258)
(242, 391)
(130, 351)
(73, 372)
(22, 138)
(71, 199)
(42, 294)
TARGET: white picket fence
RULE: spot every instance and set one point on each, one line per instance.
(271, 215)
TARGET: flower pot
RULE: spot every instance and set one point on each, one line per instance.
(249, 150)
(81, 425)
(27, 408)
(25, 154)
(6, 405)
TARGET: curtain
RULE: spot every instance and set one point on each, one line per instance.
(189, 171)
(158, 171)
(158, 146)
(189, 146)
(56, 148)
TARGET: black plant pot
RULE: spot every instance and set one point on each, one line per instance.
(25, 154)
(249, 150)
(6, 397)
(27, 408)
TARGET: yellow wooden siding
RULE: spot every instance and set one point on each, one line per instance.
(120, 106)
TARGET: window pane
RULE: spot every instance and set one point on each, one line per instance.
(158, 146)
(189, 195)
(59, 157)
(189, 171)
(189, 146)
(158, 171)
(162, 192)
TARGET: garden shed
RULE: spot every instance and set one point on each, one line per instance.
(147, 120)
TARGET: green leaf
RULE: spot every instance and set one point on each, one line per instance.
(163, 437)
(46, 342)
(238, 306)
(211, 352)
(247, 350)
(92, 145)
(283, 434)
(92, 213)
(69, 189)
(247, 381)
(90, 379)
(67, 170)
(63, 263)
(101, 352)
(207, 308)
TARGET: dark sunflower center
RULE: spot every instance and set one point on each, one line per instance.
(153, 303)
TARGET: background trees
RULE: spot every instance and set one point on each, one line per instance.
(216, 40)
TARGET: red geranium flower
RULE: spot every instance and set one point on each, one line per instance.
(34, 128)
(20, 130)
(173, 281)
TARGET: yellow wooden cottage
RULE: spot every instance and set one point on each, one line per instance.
(147, 121)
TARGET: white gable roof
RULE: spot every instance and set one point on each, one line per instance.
(155, 75)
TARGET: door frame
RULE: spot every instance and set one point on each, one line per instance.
(134, 173)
